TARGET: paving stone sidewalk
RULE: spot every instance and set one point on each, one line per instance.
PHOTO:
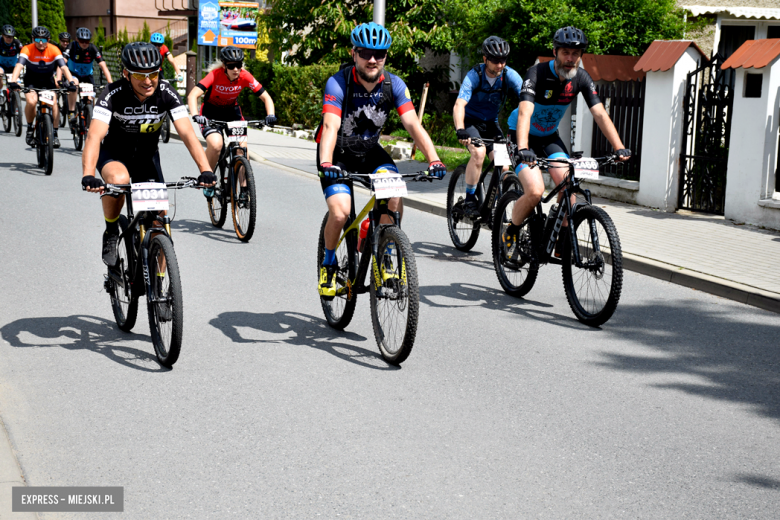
(705, 252)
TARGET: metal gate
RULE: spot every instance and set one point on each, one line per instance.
(709, 96)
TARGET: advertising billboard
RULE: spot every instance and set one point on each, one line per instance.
(228, 23)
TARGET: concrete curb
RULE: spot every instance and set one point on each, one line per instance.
(668, 272)
(10, 477)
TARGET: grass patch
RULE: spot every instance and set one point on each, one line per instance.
(449, 158)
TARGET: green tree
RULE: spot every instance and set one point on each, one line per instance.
(100, 33)
(19, 15)
(144, 35)
(168, 39)
(51, 14)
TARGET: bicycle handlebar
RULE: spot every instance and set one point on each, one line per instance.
(189, 182)
(606, 160)
(414, 177)
(259, 123)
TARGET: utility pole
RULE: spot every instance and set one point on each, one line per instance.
(379, 12)
(34, 13)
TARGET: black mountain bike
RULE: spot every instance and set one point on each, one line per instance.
(83, 111)
(464, 231)
(233, 171)
(43, 137)
(591, 257)
(147, 266)
(395, 299)
(11, 110)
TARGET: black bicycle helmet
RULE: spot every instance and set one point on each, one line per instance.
(8, 30)
(495, 47)
(64, 36)
(41, 32)
(82, 33)
(141, 56)
(231, 54)
(570, 38)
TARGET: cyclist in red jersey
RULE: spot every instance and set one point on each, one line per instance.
(220, 89)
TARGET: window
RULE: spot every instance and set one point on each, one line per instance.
(773, 31)
(753, 85)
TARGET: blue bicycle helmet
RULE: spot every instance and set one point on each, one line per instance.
(371, 36)
(157, 38)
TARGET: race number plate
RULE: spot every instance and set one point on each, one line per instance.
(388, 185)
(86, 90)
(586, 168)
(149, 196)
(236, 131)
(501, 156)
(46, 97)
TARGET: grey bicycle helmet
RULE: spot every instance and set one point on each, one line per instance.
(141, 56)
(41, 32)
(64, 36)
(8, 30)
(82, 33)
(495, 47)
(231, 54)
(570, 38)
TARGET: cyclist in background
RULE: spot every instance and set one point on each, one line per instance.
(42, 59)
(356, 104)
(511, 122)
(158, 40)
(64, 42)
(81, 56)
(10, 48)
(548, 91)
(220, 90)
(482, 94)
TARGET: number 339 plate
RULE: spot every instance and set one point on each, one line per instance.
(149, 196)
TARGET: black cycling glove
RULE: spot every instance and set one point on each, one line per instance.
(462, 134)
(201, 120)
(90, 181)
(72, 87)
(527, 156)
(624, 152)
(270, 120)
(14, 86)
(207, 178)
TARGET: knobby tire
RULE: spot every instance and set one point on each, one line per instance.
(244, 213)
(124, 301)
(463, 232)
(339, 310)
(217, 204)
(516, 274)
(166, 335)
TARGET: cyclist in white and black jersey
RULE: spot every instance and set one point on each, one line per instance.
(127, 119)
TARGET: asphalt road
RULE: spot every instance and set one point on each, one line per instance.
(506, 408)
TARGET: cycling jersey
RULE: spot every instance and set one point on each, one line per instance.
(551, 96)
(222, 92)
(365, 114)
(512, 121)
(9, 54)
(134, 127)
(483, 100)
(41, 65)
(80, 61)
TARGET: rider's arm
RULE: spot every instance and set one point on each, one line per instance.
(269, 103)
(602, 119)
(58, 76)
(106, 72)
(68, 76)
(330, 129)
(89, 158)
(190, 140)
(525, 111)
(17, 72)
(459, 113)
(420, 136)
(192, 99)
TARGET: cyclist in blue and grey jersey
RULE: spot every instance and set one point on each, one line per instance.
(548, 90)
(82, 56)
(482, 93)
(10, 48)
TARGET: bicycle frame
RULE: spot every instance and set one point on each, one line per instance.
(498, 174)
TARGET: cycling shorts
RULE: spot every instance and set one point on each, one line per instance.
(85, 79)
(484, 129)
(141, 169)
(546, 147)
(229, 113)
(376, 158)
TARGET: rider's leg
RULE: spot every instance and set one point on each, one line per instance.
(56, 113)
(29, 107)
(114, 172)
(213, 148)
(339, 207)
(557, 175)
(533, 189)
(474, 170)
(72, 97)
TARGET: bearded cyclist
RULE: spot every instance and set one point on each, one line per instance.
(133, 109)
(158, 40)
(10, 48)
(220, 90)
(356, 104)
(481, 96)
(548, 90)
(81, 56)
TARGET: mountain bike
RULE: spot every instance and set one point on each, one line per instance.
(464, 231)
(147, 266)
(233, 170)
(395, 300)
(83, 111)
(11, 108)
(43, 136)
(591, 257)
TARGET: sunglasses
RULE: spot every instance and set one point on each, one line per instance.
(141, 76)
(367, 54)
(231, 66)
(85, 42)
(497, 61)
(41, 40)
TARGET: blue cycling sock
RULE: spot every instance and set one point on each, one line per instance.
(471, 192)
(330, 257)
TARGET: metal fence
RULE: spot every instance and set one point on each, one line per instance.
(625, 104)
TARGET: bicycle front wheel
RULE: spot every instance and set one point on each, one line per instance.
(46, 144)
(243, 199)
(516, 267)
(593, 290)
(166, 315)
(341, 308)
(395, 296)
(78, 136)
(123, 302)
(463, 231)
(166, 129)
(17, 111)
(87, 111)
(218, 203)
(5, 111)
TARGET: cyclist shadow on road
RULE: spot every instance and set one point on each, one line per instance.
(28, 168)
(294, 328)
(79, 332)
(448, 253)
(469, 295)
(206, 229)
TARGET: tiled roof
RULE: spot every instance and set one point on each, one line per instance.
(608, 68)
(754, 54)
(663, 54)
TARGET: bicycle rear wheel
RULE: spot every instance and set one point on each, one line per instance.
(166, 316)
(463, 231)
(218, 203)
(243, 199)
(87, 111)
(166, 129)
(395, 300)
(46, 144)
(516, 268)
(339, 310)
(124, 302)
(17, 110)
(76, 131)
(593, 291)
(62, 101)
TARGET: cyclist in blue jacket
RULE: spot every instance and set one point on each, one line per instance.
(82, 56)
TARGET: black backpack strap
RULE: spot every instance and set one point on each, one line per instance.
(387, 89)
(478, 70)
